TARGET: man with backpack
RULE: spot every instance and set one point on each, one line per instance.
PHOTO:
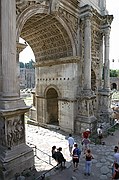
(76, 156)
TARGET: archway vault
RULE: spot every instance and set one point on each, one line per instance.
(47, 34)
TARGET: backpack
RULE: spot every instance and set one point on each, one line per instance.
(76, 153)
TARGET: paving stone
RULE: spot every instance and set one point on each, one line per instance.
(104, 170)
(44, 139)
(103, 177)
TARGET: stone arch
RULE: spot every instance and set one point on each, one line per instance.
(52, 109)
(37, 10)
(53, 87)
(114, 86)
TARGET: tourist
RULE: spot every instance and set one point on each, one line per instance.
(86, 133)
(116, 158)
(60, 158)
(88, 158)
(116, 171)
(100, 136)
(71, 143)
(116, 155)
(85, 143)
(54, 152)
(76, 156)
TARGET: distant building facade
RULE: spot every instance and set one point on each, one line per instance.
(27, 78)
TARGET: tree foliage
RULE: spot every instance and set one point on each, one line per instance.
(114, 73)
(21, 64)
(28, 65)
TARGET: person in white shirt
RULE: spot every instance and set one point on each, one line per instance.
(71, 143)
(99, 131)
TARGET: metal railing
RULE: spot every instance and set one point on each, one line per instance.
(36, 154)
(38, 151)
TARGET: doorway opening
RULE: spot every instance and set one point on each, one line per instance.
(52, 106)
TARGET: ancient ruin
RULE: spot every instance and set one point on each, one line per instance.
(69, 39)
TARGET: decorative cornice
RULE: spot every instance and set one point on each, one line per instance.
(106, 21)
(66, 60)
(21, 47)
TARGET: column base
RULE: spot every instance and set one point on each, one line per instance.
(83, 122)
(104, 113)
(15, 161)
(14, 104)
(15, 155)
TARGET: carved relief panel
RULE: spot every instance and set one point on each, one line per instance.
(15, 131)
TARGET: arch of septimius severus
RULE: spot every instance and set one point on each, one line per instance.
(70, 41)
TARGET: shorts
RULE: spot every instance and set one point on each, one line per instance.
(75, 160)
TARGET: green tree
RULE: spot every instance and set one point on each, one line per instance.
(29, 65)
(21, 64)
(114, 73)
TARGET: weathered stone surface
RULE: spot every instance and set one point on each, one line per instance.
(104, 170)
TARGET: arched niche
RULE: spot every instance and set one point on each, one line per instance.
(52, 106)
(114, 86)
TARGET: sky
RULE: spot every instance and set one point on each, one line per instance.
(113, 9)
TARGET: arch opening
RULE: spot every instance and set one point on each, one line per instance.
(52, 106)
(47, 37)
(26, 65)
(113, 86)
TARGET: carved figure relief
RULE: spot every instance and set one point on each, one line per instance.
(15, 131)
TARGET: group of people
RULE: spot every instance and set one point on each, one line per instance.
(75, 153)
(115, 166)
(58, 156)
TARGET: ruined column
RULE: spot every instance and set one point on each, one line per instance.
(8, 45)
(101, 63)
(15, 155)
(106, 59)
(87, 53)
(86, 118)
(104, 93)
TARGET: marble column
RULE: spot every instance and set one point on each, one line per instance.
(101, 63)
(8, 48)
(106, 59)
(87, 53)
(15, 155)
(86, 118)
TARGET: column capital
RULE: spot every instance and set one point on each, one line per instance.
(106, 22)
(20, 46)
(86, 16)
(86, 12)
(106, 30)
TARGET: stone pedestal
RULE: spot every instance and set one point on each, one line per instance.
(104, 106)
(15, 155)
(86, 118)
(14, 161)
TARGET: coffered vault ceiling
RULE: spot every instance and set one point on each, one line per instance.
(47, 37)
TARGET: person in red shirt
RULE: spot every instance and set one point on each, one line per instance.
(86, 133)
